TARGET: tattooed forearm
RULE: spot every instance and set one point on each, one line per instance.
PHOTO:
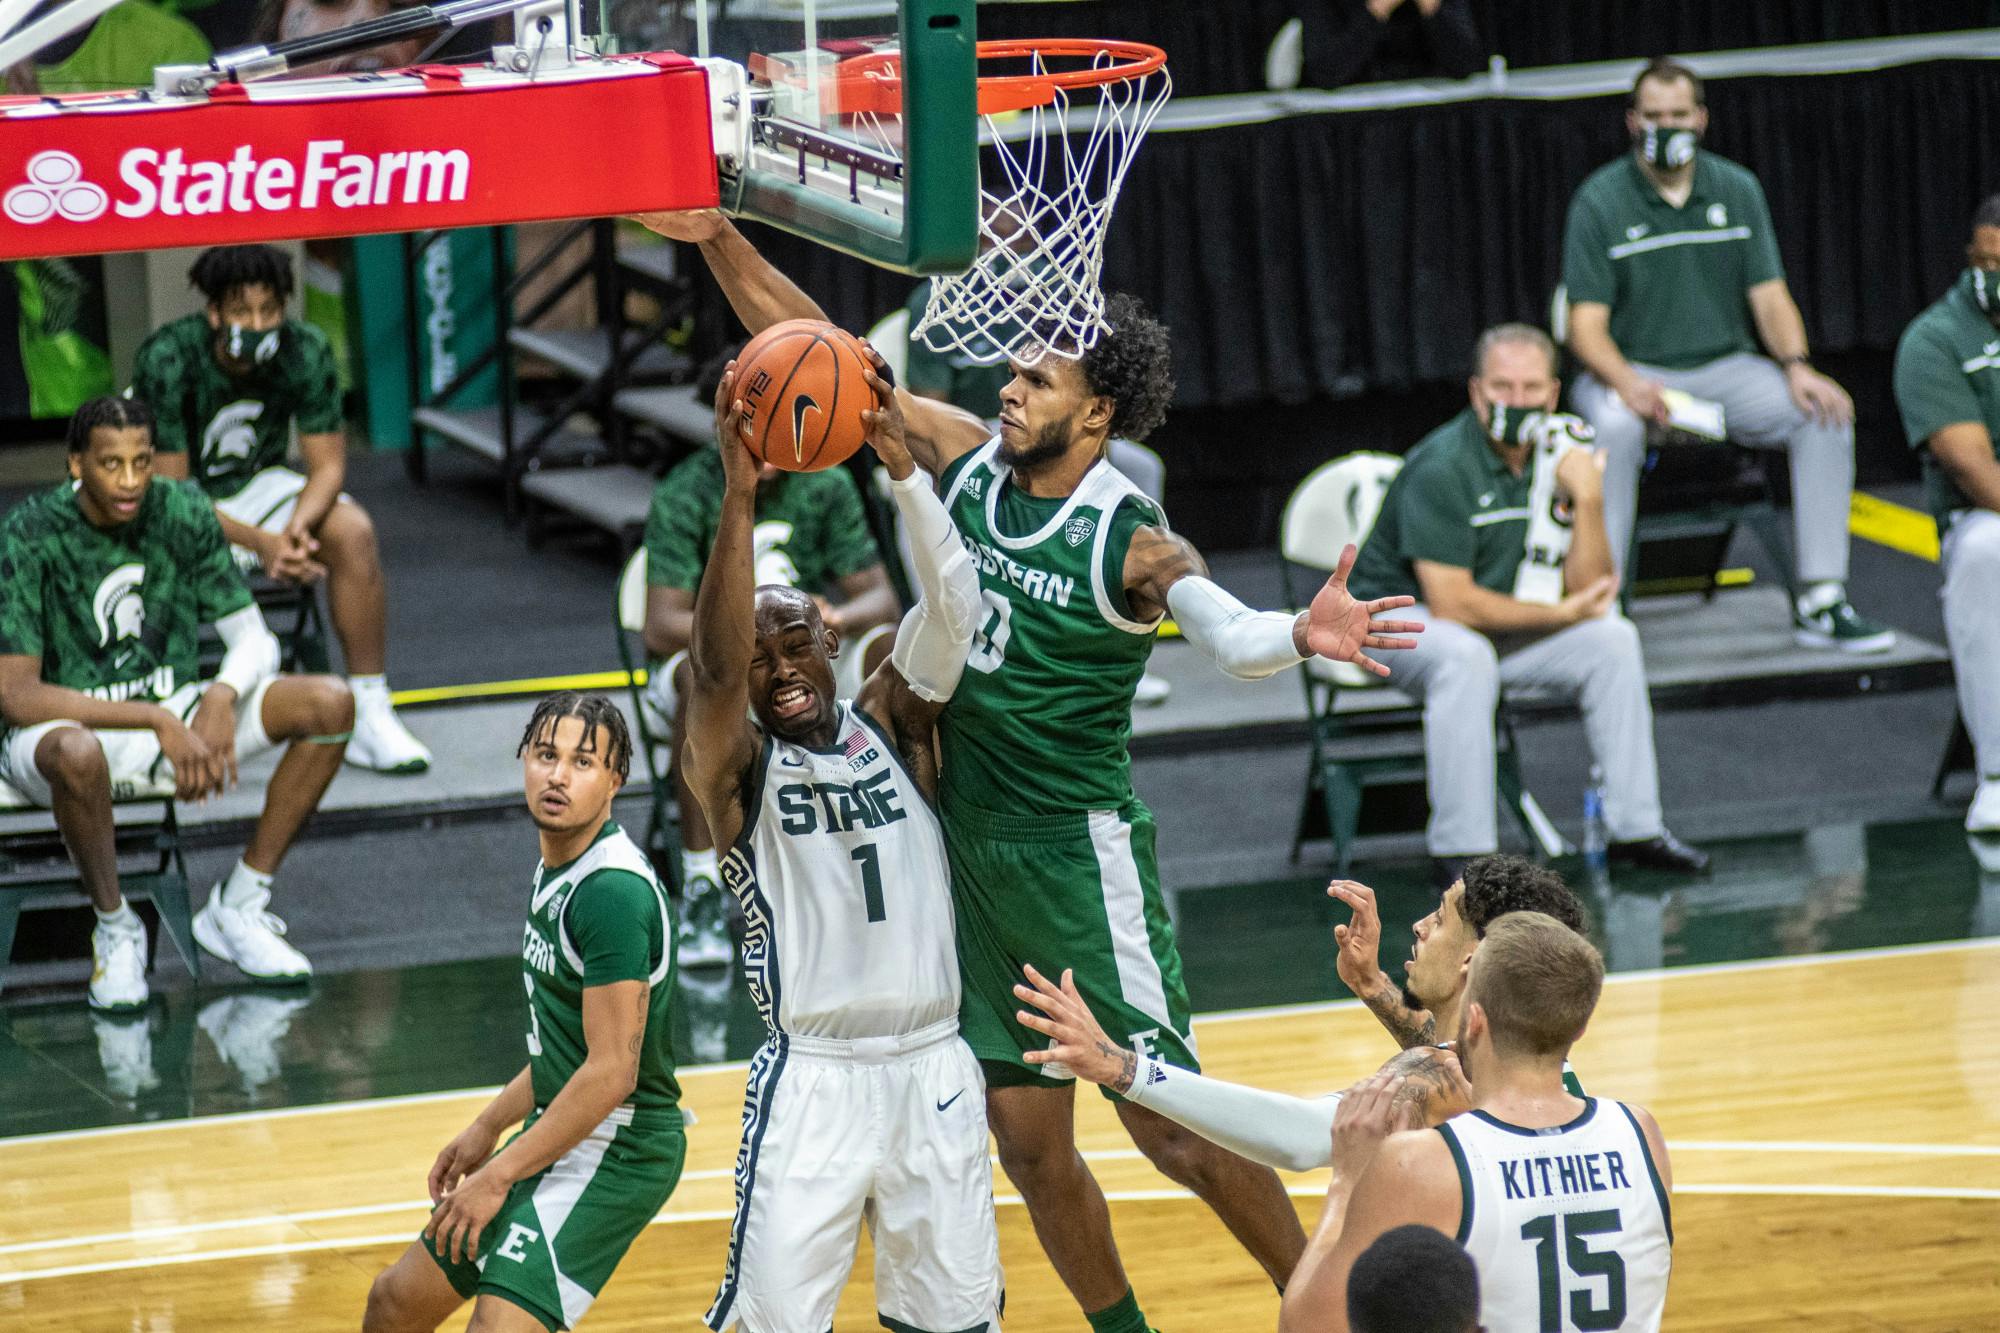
(1410, 1027)
(1128, 1066)
(1427, 1085)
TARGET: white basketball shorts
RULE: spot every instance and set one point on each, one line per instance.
(884, 1132)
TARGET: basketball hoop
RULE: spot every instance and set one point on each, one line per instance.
(1063, 132)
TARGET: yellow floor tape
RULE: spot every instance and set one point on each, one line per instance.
(1869, 517)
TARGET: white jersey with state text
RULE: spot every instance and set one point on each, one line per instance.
(1569, 1226)
(845, 889)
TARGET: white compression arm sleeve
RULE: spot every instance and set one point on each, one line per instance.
(1249, 645)
(934, 638)
(1289, 1133)
(251, 651)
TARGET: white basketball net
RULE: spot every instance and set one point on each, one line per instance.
(1033, 288)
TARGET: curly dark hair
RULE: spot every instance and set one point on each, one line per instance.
(220, 271)
(1133, 366)
(594, 711)
(1497, 885)
(111, 409)
(1413, 1280)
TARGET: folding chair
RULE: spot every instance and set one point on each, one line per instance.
(36, 870)
(663, 833)
(1356, 748)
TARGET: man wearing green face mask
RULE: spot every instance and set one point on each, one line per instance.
(1948, 390)
(1674, 283)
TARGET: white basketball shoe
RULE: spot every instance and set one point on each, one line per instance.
(249, 938)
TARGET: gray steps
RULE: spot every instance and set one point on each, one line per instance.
(611, 496)
(678, 411)
(477, 430)
(585, 353)
(651, 263)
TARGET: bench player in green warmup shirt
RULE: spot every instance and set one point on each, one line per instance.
(227, 386)
(105, 582)
(1052, 855)
(534, 1230)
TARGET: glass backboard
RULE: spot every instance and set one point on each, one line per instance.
(896, 184)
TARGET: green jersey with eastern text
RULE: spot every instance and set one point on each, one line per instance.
(115, 612)
(233, 427)
(1041, 719)
(599, 919)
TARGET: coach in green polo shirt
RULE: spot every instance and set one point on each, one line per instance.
(1948, 389)
(1496, 526)
(1674, 282)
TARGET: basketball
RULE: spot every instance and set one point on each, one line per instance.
(803, 388)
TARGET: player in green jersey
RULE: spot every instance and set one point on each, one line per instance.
(226, 386)
(1051, 853)
(534, 1230)
(105, 582)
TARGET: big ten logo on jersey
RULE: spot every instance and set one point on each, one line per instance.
(838, 807)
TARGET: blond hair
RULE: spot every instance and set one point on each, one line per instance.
(1537, 981)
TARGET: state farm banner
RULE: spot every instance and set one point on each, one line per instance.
(340, 157)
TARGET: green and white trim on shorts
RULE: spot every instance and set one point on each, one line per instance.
(1079, 891)
(555, 1241)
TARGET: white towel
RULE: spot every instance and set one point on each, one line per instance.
(1540, 577)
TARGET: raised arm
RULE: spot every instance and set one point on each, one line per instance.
(1163, 572)
(908, 691)
(720, 742)
(761, 296)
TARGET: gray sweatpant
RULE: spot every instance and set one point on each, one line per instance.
(1458, 674)
(1971, 559)
(1758, 410)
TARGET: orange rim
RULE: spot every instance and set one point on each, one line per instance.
(874, 83)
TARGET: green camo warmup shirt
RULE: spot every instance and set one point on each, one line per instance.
(115, 612)
(234, 428)
(1948, 371)
(1676, 279)
(810, 532)
(1456, 503)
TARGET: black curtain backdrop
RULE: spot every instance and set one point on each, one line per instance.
(1307, 263)
(1220, 48)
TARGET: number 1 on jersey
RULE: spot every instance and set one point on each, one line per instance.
(871, 881)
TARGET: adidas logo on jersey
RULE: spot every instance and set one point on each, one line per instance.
(975, 485)
(1077, 531)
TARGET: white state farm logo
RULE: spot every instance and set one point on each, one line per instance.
(55, 185)
(170, 184)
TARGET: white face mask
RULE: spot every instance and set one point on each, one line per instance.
(239, 338)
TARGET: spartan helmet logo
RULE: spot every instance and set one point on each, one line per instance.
(118, 606)
(230, 434)
(774, 563)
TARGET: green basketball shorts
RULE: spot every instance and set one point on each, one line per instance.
(1077, 891)
(551, 1247)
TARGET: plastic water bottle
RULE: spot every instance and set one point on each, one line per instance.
(1593, 820)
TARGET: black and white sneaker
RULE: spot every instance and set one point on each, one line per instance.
(1830, 621)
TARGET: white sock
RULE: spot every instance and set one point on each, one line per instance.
(1819, 596)
(121, 917)
(699, 865)
(369, 691)
(243, 886)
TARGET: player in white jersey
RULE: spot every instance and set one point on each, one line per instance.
(1560, 1200)
(865, 1105)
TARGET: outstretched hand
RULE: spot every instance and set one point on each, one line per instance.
(1338, 627)
(1075, 1038)
(690, 224)
(1358, 943)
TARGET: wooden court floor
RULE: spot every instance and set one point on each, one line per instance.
(1834, 1124)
